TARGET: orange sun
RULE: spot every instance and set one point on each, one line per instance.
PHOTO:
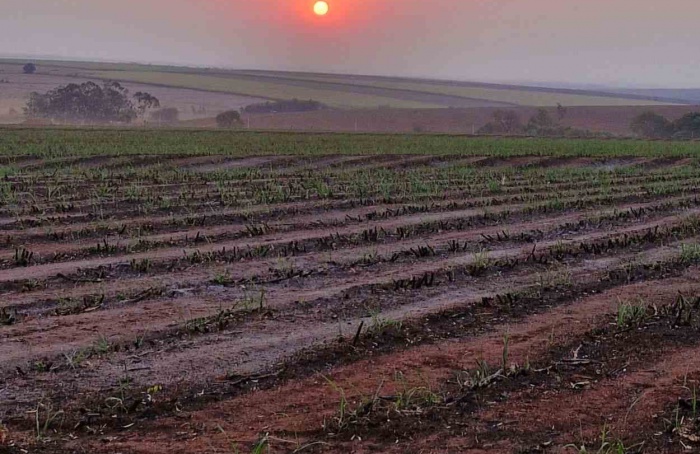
(321, 8)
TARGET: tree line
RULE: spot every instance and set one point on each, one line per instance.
(648, 125)
(542, 123)
(90, 102)
(654, 126)
(112, 103)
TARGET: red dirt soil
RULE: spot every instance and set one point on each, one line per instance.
(183, 347)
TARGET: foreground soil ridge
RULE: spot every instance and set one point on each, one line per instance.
(349, 303)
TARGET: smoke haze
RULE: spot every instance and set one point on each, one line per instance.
(619, 42)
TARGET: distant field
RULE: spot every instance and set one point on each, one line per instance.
(59, 142)
(351, 92)
(195, 90)
(691, 95)
(524, 96)
(95, 66)
(262, 89)
(192, 104)
(348, 91)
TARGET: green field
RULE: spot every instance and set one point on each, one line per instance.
(391, 263)
(56, 142)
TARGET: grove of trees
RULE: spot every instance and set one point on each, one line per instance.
(508, 122)
(228, 119)
(654, 126)
(90, 102)
(504, 122)
(168, 115)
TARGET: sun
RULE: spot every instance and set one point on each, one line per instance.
(321, 8)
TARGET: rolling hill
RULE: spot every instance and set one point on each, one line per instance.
(346, 91)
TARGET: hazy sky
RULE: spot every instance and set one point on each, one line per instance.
(621, 42)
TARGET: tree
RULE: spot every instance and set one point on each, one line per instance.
(168, 115)
(228, 119)
(29, 68)
(688, 126)
(561, 111)
(504, 122)
(87, 102)
(652, 126)
(508, 121)
(145, 101)
(542, 124)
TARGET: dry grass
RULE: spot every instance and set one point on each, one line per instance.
(271, 90)
(339, 91)
(520, 97)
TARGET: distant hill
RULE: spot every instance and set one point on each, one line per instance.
(684, 95)
(345, 91)
(356, 102)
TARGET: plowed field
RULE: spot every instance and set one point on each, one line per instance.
(349, 303)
